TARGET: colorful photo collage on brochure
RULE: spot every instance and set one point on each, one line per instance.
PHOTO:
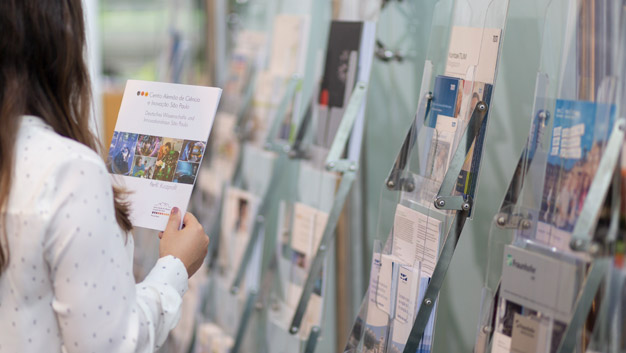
(155, 157)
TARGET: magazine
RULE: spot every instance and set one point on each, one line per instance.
(159, 141)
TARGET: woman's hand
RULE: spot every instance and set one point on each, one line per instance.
(189, 244)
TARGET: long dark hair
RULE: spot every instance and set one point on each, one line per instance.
(43, 73)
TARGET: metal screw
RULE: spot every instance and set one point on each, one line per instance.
(410, 186)
(594, 249)
(429, 95)
(576, 244)
(428, 301)
(487, 329)
(501, 221)
(543, 115)
(322, 247)
(293, 330)
(352, 167)
(526, 224)
(234, 290)
(330, 165)
(391, 184)
(439, 203)
(482, 106)
(466, 206)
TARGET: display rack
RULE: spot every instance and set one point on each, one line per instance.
(433, 199)
(316, 188)
(579, 240)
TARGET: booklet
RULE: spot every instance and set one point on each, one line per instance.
(158, 144)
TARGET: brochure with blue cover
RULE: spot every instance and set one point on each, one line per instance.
(447, 96)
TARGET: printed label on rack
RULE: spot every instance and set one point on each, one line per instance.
(416, 239)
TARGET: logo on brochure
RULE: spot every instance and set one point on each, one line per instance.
(142, 94)
(510, 261)
(377, 263)
(404, 277)
(162, 209)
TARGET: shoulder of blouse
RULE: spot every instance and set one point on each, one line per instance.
(40, 137)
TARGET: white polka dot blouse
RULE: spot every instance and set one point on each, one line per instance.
(69, 285)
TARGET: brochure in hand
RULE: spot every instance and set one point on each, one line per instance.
(158, 144)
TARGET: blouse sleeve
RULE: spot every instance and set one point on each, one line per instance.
(99, 307)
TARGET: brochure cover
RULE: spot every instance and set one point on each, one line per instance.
(473, 53)
(158, 144)
(447, 96)
(537, 295)
(579, 134)
(346, 61)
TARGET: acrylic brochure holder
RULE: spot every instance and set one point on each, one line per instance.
(552, 231)
(432, 182)
(296, 291)
(289, 181)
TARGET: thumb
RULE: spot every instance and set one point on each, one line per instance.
(174, 222)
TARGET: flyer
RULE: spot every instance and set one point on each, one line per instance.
(158, 145)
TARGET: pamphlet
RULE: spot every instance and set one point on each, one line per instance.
(308, 229)
(447, 96)
(406, 305)
(158, 145)
(377, 321)
(579, 136)
(416, 239)
(537, 295)
(473, 53)
(237, 223)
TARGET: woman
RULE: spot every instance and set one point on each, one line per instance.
(66, 282)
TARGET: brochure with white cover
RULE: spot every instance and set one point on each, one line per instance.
(158, 144)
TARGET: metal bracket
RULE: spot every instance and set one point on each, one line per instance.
(243, 322)
(447, 201)
(325, 243)
(281, 110)
(313, 338)
(245, 102)
(585, 224)
(333, 160)
(596, 274)
(456, 164)
(263, 209)
(514, 221)
(458, 203)
(395, 180)
(439, 274)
